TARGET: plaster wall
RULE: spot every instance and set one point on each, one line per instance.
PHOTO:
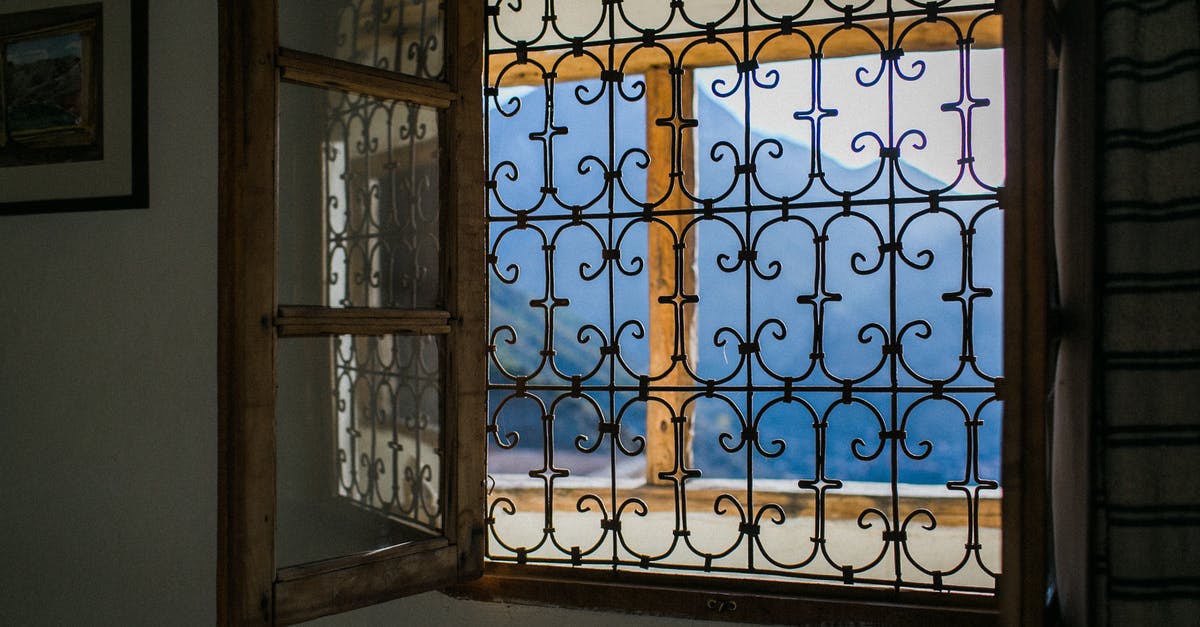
(108, 401)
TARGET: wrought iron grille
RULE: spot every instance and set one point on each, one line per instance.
(377, 163)
(745, 294)
(382, 247)
(402, 36)
(382, 205)
(387, 400)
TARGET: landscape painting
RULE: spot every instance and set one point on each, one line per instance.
(50, 87)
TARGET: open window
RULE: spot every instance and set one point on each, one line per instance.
(350, 326)
(753, 264)
(356, 242)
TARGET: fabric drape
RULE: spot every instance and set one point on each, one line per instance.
(1146, 533)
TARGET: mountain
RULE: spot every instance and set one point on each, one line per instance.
(863, 296)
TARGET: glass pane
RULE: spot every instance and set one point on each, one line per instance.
(358, 201)
(359, 462)
(404, 36)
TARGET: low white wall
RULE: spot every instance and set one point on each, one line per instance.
(108, 375)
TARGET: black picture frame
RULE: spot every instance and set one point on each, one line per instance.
(82, 143)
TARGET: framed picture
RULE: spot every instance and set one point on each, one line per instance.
(73, 105)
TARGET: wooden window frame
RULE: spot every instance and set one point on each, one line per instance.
(1020, 598)
(251, 588)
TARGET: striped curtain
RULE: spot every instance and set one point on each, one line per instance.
(1147, 492)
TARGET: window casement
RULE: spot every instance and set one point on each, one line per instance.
(680, 305)
(350, 323)
(357, 238)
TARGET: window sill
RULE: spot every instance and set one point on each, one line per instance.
(725, 599)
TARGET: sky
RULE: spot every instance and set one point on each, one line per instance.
(864, 108)
(34, 50)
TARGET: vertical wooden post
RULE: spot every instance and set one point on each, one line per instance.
(465, 238)
(672, 271)
(1022, 586)
(246, 305)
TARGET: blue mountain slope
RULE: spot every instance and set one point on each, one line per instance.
(865, 297)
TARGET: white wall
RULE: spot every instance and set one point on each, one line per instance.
(108, 373)
(108, 403)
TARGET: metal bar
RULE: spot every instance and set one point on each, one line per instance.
(797, 269)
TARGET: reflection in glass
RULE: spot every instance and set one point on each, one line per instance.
(358, 180)
(359, 432)
(404, 36)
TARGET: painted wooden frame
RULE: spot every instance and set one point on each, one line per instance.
(252, 588)
(79, 141)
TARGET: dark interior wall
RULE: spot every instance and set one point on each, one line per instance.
(108, 375)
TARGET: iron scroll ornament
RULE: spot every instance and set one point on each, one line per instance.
(789, 247)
